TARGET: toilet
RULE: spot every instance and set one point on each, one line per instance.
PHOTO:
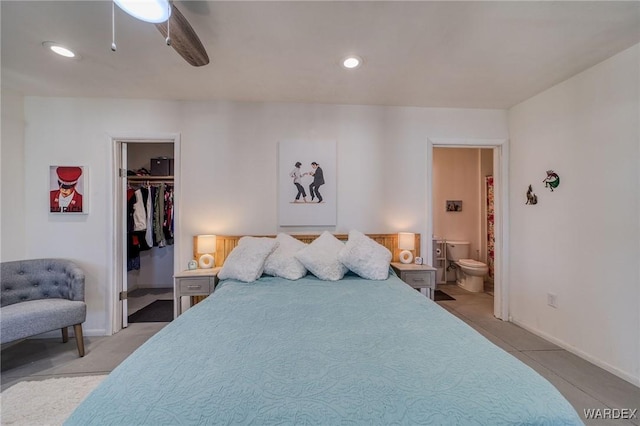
(469, 273)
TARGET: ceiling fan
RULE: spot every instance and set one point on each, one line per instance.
(172, 24)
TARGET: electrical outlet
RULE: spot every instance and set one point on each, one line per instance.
(552, 300)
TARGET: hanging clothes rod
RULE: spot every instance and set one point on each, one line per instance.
(166, 179)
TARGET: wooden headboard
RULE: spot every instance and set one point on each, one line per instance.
(225, 243)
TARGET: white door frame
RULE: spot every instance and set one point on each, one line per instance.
(501, 205)
(114, 307)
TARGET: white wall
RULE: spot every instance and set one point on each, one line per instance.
(231, 150)
(78, 131)
(12, 224)
(581, 242)
(156, 269)
(228, 182)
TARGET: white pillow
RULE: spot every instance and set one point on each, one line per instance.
(321, 257)
(282, 262)
(365, 257)
(246, 260)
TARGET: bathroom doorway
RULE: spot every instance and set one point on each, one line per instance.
(463, 208)
(467, 199)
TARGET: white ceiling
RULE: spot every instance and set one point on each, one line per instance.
(446, 54)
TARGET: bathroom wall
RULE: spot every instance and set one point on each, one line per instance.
(458, 174)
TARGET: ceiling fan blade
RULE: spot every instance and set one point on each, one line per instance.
(184, 39)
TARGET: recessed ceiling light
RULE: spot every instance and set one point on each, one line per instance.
(59, 49)
(352, 62)
(154, 11)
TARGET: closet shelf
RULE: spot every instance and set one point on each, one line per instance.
(148, 178)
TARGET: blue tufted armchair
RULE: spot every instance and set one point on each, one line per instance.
(41, 295)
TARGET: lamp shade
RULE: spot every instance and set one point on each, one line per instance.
(406, 241)
(206, 246)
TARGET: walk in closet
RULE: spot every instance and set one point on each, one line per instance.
(150, 231)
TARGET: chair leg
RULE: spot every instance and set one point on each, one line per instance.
(77, 329)
(65, 334)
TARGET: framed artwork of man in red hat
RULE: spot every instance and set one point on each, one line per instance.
(66, 189)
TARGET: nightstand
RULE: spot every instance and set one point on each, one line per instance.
(196, 282)
(417, 276)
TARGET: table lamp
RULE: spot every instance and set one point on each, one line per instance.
(406, 243)
(205, 246)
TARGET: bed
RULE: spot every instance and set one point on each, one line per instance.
(311, 351)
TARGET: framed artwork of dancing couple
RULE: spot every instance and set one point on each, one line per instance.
(307, 183)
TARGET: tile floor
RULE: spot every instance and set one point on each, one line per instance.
(39, 359)
(141, 297)
(583, 384)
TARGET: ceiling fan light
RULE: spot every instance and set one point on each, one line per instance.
(63, 51)
(154, 11)
(60, 50)
(351, 62)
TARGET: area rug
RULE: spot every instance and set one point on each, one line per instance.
(158, 311)
(45, 402)
(441, 295)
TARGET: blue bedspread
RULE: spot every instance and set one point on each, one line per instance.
(318, 352)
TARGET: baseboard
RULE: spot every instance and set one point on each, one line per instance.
(57, 334)
(95, 332)
(611, 369)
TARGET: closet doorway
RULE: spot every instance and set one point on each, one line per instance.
(146, 200)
